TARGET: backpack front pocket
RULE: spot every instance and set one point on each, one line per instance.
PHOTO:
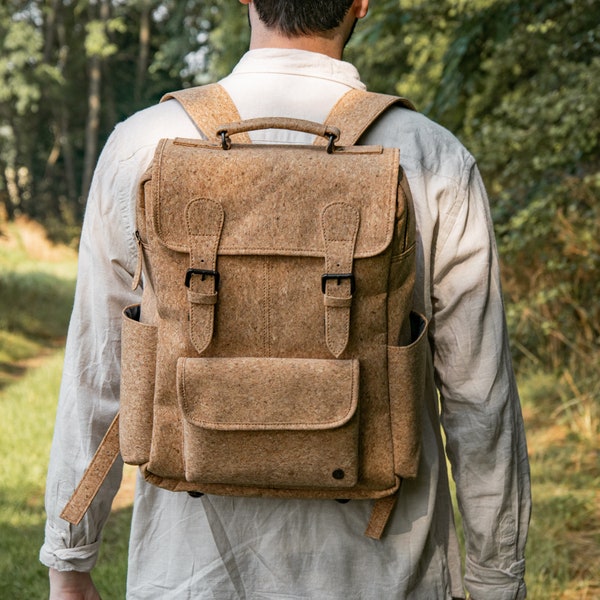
(270, 422)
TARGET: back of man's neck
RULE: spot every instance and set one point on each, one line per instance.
(329, 43)
(309, 44)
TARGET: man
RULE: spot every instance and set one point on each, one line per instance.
(230, 548)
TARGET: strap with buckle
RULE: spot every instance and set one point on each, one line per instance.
(339, 226)
(204, 220)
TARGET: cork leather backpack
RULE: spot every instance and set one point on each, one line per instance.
(275, 351)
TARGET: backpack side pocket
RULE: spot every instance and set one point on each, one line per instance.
(138, 367)
(406, 379)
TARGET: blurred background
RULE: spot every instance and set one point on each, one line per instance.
(517, 81)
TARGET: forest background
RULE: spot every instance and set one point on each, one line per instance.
(516, 80)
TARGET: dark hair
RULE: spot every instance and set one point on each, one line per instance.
(302, 17)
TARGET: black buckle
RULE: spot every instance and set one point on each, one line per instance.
(338, 277)
(204, 273)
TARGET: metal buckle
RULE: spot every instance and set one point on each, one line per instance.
(225, 140)
(338, 277)
(331, 143)
(204, 273)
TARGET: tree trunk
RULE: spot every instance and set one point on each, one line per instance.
(92, 125)
(50, 29)
(67, 148)
(144, 51)
(6, 205)
(94, 104)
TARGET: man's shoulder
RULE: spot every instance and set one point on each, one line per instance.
(423, 143)
(146, 127)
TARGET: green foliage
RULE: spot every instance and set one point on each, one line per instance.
(400, 46)
(227, 39)
(45, 58)
(518, 81)
(36, 289)
(533, 121)
(97, 41)
(551, 274)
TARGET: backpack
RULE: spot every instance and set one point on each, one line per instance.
(275, 351)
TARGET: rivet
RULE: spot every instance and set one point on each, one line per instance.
(338, 474)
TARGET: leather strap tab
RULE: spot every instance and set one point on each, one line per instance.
(209, 106)
(380, 515)
(339, 225)
(197, 298)
(95, 474)
(337, 302)
(204, 221)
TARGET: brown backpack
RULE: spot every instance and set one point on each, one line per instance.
(275, 352)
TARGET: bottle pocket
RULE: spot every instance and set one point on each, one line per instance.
(138, 367)
(406, 375)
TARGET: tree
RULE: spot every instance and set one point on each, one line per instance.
(23, 78)
(98, 49)
(52, 50)
(517, 81)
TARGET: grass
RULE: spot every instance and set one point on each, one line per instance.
(28, 406)
(36, 288)
(564, 543)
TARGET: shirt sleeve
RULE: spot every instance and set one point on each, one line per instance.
(89, 396)
(481, 412)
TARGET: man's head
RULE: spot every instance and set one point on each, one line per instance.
(317, 25)
(302, 17)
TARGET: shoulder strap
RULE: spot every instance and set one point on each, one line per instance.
(356, 110)
(209, 106)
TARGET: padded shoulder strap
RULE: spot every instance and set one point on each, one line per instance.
(356, 110)
(209, 106)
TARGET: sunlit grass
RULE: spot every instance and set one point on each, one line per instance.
(36, 291)
(28, 410)
(563, 558)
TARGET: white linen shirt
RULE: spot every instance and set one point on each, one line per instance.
(243, 548)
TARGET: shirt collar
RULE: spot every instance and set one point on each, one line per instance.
(298, 62)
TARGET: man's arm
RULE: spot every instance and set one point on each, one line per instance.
(89, 396)
(481, 412)
(72, 585)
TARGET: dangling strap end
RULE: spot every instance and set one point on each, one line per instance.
(94, 476)
(380, 515)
